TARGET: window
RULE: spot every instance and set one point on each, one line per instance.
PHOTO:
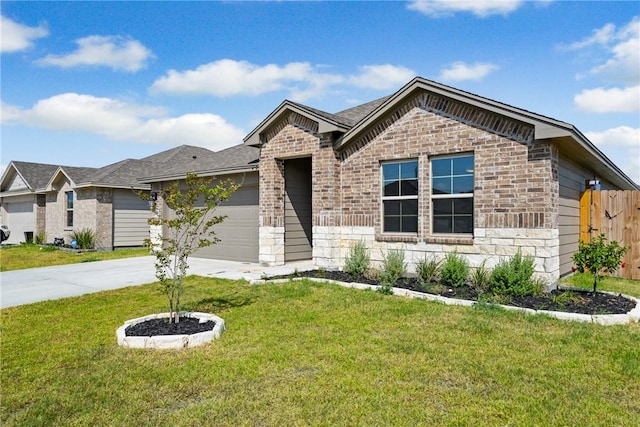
(400, 196)
(69, 208)
(452, 185)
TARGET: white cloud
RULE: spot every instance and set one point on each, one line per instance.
(613, 100)
(621, 50)
(117, 52)
(125, 121)
(624, 136)
(480, 8)
(15, 37)
(382, 77)
(227, 77)
(459, 71)
(8, 113)
(624, 139)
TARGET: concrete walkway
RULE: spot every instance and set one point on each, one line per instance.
(39, 284)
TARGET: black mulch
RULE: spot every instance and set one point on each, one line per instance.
(186, 326)
(584, 302)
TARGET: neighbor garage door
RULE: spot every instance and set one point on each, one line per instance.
(20, 218)
(130, 219)
(238, 233)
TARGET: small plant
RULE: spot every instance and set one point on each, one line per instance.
(40, 238)
(454, 271)
(296, 272)
(358, 261)
(599, 257)
(562, 298)
(321, 273)
(480, 276)
(385, 289)
(85, 238)
(372, 274)
(427, 270)
(393, 268)
(513, 277)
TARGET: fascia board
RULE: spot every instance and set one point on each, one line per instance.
(5, 176)
(544, 126)
(203, 173)
(54, 176)
(324, 125)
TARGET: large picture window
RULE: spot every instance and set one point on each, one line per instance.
(400, 196)
(452, 183)
(69, 208)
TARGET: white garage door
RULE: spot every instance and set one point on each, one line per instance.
(238, 233)
(130, 219)
(20, 218)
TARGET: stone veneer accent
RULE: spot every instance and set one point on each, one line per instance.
(491, 245)
(515, 196)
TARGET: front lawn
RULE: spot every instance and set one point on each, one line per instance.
(23, 256)
(303, 353)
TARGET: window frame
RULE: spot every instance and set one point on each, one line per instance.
(400, 197)
(69, 197)
(450, 196)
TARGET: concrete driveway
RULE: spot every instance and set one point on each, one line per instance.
(39, 284)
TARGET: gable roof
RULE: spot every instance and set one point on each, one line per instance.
(34, 175)
(40, 177)
(354, 122)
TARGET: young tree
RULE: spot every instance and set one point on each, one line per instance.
(599, 257)
(190, 228)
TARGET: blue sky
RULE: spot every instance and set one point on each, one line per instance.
(92, 83)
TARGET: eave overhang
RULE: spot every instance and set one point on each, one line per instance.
(204, 173)
(254, 138)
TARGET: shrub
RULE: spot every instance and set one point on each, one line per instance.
(599, 257)
(40, 238)
(358, 261)
(480, 276)
(85, 238)
(393, 268)
(427, 270)
(454, 271)
(513, 277)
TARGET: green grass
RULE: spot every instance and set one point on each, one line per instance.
(612, 284)
(23, 256)
(303, 353)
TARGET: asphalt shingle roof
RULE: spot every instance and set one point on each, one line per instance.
(36, 175)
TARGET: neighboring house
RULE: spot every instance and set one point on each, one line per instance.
(239, 232)
(57, 200)
(430, 169)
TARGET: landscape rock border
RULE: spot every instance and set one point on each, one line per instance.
(171, 341)
(600, 319)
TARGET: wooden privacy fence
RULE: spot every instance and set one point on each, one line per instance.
(616, 214)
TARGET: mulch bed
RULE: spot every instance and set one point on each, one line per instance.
(576, 301)
(186, 326)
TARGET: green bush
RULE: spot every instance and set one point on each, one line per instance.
(514, 277)
(85, 238)
(454, 271)
(393, 268)
(358, 261)
(480, 276)
(598, 257)
(40, 238)
(427, 270)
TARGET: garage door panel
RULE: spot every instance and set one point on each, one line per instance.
(130, 219)
(20, 219)
(238, 232)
